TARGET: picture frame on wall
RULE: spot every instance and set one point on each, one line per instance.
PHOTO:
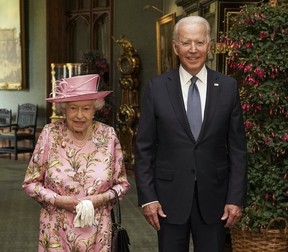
(166, 58)
(13, 73)
(209, 12)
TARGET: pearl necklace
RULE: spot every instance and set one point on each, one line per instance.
(80, 143)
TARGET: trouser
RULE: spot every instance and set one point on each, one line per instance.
(206, 238)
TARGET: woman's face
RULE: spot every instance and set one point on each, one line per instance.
(79, 115)
(192, 47)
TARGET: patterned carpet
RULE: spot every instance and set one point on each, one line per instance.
(19, 214)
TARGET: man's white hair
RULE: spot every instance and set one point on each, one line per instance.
(192, 20)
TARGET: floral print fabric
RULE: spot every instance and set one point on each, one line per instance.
(60, 166)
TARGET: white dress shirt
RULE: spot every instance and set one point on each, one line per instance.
(185, 80)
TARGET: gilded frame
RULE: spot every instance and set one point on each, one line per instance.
(166, 58)
(229, 20)
(12, 45)
(209, 12)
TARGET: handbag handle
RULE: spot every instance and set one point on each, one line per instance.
(118, 209)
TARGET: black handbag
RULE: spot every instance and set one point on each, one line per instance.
(120, 238)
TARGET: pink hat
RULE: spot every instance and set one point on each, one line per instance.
(77, 88)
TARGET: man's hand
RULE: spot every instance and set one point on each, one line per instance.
(151, 212)
(232, 214)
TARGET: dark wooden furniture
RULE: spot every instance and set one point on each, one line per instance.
(21, 135)
(5, 119)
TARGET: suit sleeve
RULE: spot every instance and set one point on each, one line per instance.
(237, 155)
(145, 150)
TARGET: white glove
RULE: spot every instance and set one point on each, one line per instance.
(88, 213)
(77, 219)
(85, 214)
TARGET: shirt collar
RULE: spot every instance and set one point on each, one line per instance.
(185, 77)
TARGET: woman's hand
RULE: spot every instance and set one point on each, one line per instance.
(68, 203)
(97, 200)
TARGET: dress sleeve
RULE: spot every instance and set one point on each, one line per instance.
(33, 183)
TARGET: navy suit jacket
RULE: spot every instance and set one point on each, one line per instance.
(169, 160)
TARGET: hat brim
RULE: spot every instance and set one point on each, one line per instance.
(84, 97)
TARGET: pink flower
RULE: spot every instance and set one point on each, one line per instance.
(263, 34)
(236, 45)
(251, 21)
(240, 66)
(248, 125)
(251, 80)
(268, 139)
(248, 68)
(246, 107)
(258, 108)
(260, 73)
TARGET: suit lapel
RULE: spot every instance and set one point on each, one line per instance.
(212, 96)
(175, 94)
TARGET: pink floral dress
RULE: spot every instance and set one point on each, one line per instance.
(59, 166)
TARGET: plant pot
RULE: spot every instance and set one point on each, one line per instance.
(268, 240)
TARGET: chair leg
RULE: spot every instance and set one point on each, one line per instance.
(10, 155)
(16, 148)
(16, 153)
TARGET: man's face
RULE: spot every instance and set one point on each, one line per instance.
(192, 47)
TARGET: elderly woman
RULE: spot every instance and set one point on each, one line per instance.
(75, 164)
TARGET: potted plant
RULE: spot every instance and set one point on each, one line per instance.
(257, 45)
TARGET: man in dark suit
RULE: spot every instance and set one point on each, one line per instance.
(191, 183)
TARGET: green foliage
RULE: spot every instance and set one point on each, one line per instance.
(258, 56)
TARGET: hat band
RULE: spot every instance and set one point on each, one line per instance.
(64, 89)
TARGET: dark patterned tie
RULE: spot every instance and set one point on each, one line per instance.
(194, 108)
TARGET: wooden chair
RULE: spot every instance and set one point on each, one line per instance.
(21, 138)
(5, 119)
